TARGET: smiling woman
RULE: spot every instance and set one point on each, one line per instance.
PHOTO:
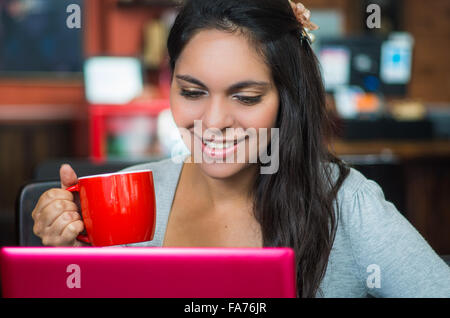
(244, 66)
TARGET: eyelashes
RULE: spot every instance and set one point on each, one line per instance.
(191, 94)
(246, 100)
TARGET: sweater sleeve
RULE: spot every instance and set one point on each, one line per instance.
(393, 259)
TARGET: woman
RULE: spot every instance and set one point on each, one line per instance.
(247, 66)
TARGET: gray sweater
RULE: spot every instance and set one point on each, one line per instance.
(376, 251)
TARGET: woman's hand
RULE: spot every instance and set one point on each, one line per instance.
(56, 218)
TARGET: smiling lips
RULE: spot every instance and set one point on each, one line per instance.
(220, 149)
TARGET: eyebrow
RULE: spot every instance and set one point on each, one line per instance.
(232, 88)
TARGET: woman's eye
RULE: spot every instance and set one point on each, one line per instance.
(191, 94)
(248, 100)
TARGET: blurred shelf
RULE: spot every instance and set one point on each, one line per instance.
(38, 113)
(41, 91)
(401, 149)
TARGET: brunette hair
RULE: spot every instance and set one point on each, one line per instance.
(295, 206)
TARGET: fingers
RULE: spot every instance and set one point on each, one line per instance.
(56, 218)
(54, 210)
(49, 197)
(64, 230)
(68, 176)
(71, 231)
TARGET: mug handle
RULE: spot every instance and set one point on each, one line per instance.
(81, 237)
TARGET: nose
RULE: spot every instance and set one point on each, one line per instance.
(218, 114)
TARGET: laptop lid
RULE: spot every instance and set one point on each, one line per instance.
(153, 272)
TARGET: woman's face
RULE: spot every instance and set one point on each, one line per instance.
(222, 97)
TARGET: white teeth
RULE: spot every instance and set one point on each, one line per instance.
(218, 145)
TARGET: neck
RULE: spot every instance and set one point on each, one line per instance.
(224, 191)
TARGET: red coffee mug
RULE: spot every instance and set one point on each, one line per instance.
(117, 208)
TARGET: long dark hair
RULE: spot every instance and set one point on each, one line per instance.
(295, 206)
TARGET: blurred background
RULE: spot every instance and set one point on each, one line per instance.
(92, 90)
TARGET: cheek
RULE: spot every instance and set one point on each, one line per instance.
(262, 116)
(183, 112)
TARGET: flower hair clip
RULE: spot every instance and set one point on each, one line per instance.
(303, 15)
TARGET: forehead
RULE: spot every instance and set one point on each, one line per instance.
(220, 58)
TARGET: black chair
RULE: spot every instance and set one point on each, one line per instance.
(446, 258)
(27, 200)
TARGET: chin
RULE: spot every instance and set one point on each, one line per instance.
(222, 170)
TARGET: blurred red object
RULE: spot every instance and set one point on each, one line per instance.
(98, 114)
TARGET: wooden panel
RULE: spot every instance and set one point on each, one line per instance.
(430, 79)
(427, 186)
(430, 26)
(404, 150)
(432, 19)
(23, 147)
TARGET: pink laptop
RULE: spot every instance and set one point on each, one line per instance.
(153, 272)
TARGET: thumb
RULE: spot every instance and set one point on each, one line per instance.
(68, 176)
